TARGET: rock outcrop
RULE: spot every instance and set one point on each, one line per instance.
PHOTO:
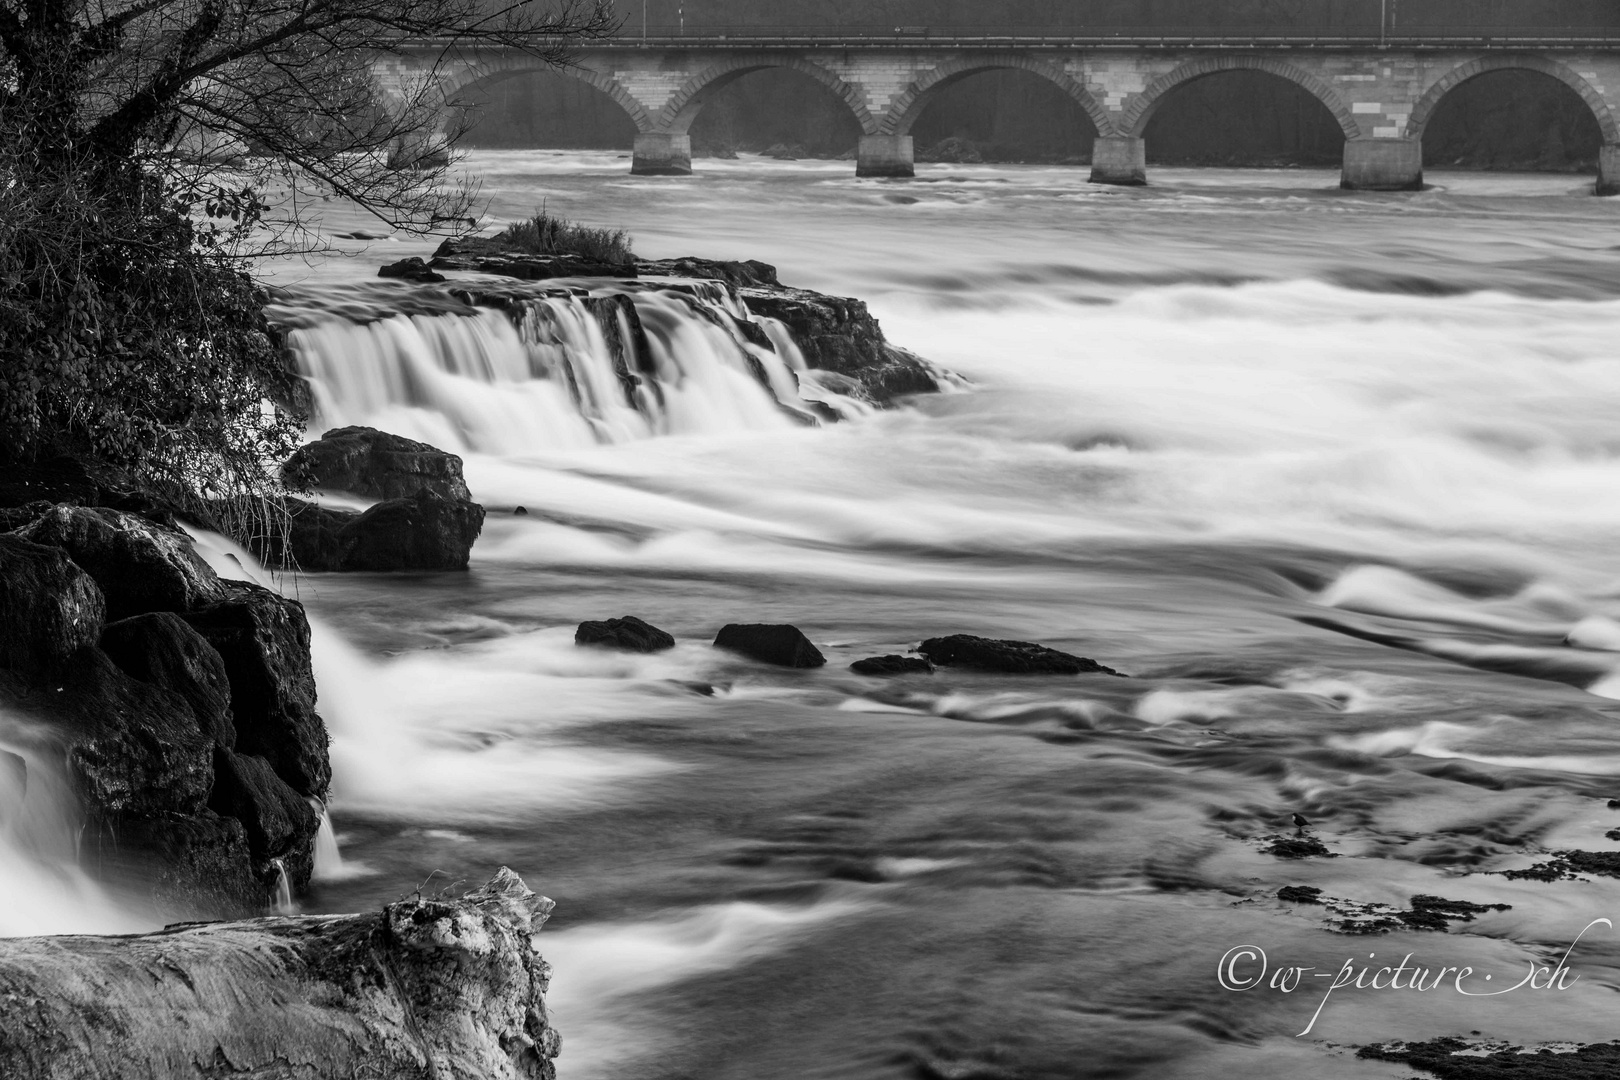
(145, 671)
(489, 256)
(453, 989)
(629, 633)
(426, 521)
(375, 465)
(1012, 657)
(782, 645)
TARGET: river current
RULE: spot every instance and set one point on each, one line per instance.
(1334, 478)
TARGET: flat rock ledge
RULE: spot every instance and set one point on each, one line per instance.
(449, 989)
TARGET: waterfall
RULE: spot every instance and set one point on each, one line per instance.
(534, 369)
(284, 901)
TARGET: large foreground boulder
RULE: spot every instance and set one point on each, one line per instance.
(1012, 657)
(450, 989)
(422, 532)
(186, 729)
(782, 645)
(376, 465)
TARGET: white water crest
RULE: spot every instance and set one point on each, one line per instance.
(553, 369)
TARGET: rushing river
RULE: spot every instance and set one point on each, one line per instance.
(1334, 477)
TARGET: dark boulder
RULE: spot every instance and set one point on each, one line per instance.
(280, 824)
(161, 649)
(892, 665)
(412, 269)
(628, 633)
(782, 645)
(264, 640)
(423, 532)
(49, 607)
(375, 465)
(839, 335)
(1014, 657)
(140, 566)
(197, 862)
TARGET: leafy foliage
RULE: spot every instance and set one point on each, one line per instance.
(547, 235)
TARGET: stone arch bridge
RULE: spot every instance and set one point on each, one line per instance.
(1381, 94)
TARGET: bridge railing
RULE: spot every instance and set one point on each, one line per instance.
(958, 36)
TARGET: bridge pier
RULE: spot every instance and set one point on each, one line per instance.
(885, 155)
(1382, 165)
(660, 153)
(1119, 159)
(1608, 180)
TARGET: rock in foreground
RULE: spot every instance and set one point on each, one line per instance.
(452, 989)
(629, 633)
(782, 645)
(1013, 657)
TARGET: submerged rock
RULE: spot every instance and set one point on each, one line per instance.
(628, 633)
(375, 465)
(448, 988)
(782, 645)
(1015, 657)
(1451, 1058)
(892, 665)
(750, 272)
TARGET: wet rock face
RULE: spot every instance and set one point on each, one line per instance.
(145, 709)
(749, 272)
(161, 649)
(629, 633)
(487, 255)
(376, 465)
(139, 566)
(263, 639)
(49, 607)
(1012, 657)
(423, 532)
(412, 269)
(838, 334)
(782, 645)
(443, 988)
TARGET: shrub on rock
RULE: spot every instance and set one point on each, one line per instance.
(375, 465)
(140, 566)
(49, 607)
(782, 645)
(628, 633)
(1014, 657)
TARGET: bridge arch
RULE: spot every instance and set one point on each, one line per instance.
(460, 78)
(1424, 109)
(1141, 110)
(685, 104)
(909, 104)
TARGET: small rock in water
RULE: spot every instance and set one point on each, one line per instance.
(1614, 804)
(522, 511)
(628, 633)
(892, 665)
(412, 269)
(782, 645)
(1290, 847)
(1017, 657)
(1300, 894)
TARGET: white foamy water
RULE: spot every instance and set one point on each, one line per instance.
(1333, 478)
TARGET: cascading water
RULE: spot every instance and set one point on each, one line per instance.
(545, 369)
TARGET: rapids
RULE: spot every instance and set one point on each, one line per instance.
(1335, 478)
